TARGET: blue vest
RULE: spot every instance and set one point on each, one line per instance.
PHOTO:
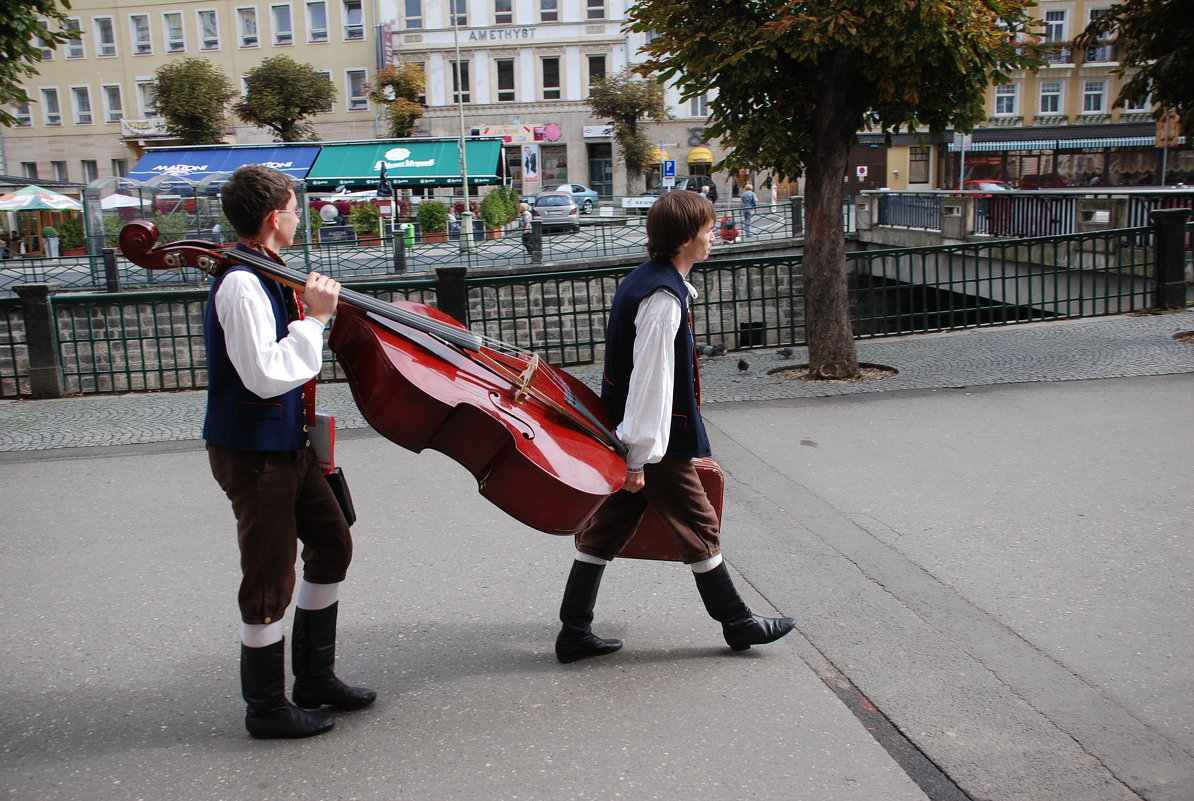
(236, 417)
(687, 436)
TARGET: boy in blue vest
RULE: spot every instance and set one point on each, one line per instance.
(652, 388)
(263, 356)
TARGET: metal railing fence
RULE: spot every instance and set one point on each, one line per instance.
(138, 341)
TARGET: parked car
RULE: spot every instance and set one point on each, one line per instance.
(556, 210)
(986, 185)
(1050, 180)
(585, 198)
(692, 183)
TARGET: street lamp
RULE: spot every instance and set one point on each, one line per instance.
(466, 217)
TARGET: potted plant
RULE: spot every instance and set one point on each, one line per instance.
(498, 209)
(365, 219)
(71, 238)
(433, 221)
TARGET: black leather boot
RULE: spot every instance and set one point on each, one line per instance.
(576, 639)
(313, 656)
(742, 628)
(269, 715)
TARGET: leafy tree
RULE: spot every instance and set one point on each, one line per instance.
(281, 94)
(796, 79)
(625, 100)
(1156, 48)
(397, 88)
(21, 26)
(192, 96)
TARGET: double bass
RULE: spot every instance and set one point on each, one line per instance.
(537, 440)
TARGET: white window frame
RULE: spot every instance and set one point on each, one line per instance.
(113, 113)
(595, 10)
(24, 115)
(283, 29)
(43, 42)
(75, 48)
(61, 171)
(412, 14)
(175, 36)
(510, 94)
(357, 100)
(1131, 106)
(1046, 90)
(331, 107)
(549, 14)
(698, 107)
(81, 115)
(49, 97)
(458, 13)
(147, 100)
(208, 42)
(246, 17)
(105, 47)
(317, 32)
(1100, 92)
(551, 92)
(1007, 99)
(503, 17)
(140, 35)
(1056, 25)
(460, 89)
(353, 31)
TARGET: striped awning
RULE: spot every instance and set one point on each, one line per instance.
(1039, 144)
(1060, 144)
(1111, 141)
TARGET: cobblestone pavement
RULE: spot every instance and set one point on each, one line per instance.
(1110, 347)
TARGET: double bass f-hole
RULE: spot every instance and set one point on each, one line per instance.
(526, 429)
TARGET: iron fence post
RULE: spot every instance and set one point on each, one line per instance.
(400, 253)
(1169, 233)
(451, 292)
(111, 274)
(536, 241)
(797, 216)
(41, 339)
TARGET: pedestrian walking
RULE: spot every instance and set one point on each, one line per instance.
(49, 238)
(749, 201)
(524, 225)
(651, 386)
(263, 357)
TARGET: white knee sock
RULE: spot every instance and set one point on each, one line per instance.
(313, 597)
(592, 560)
(259, 635)
(705, 565)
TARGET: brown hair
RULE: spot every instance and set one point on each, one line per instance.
(252, 192)
(676, 217)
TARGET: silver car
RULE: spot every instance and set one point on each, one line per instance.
(556, 210)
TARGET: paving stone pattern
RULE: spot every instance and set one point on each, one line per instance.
(1110, 347)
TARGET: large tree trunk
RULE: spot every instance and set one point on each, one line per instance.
(831, 351)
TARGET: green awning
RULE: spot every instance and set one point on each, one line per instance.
(434, 163)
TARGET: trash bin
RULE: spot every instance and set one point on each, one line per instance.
(408, 234)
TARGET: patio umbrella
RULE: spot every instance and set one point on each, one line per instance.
(121, 202)
(34, 198)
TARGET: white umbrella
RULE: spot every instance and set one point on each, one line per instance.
(121, 202)
(34, 198)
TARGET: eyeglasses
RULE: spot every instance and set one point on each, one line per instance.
(288, 211)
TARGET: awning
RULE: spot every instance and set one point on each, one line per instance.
(700, 155)
(658, 156)
(407, 163)
(1061, 144)
(198, 163)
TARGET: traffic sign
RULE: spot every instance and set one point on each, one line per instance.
(669, 168)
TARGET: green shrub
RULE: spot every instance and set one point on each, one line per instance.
(365, 219)
(432, 216)
(70, 233)
(499, 208)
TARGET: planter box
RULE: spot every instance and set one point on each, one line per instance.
(435, 236)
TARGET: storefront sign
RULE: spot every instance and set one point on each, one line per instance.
(597, 131)
(501, 34)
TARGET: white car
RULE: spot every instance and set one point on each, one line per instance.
(586, 199)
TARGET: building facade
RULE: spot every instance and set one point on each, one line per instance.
(1058, 126)
(93, 115)
(522, 69)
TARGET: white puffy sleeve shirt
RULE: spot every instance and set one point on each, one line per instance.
(267, 366)
(647, 423)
